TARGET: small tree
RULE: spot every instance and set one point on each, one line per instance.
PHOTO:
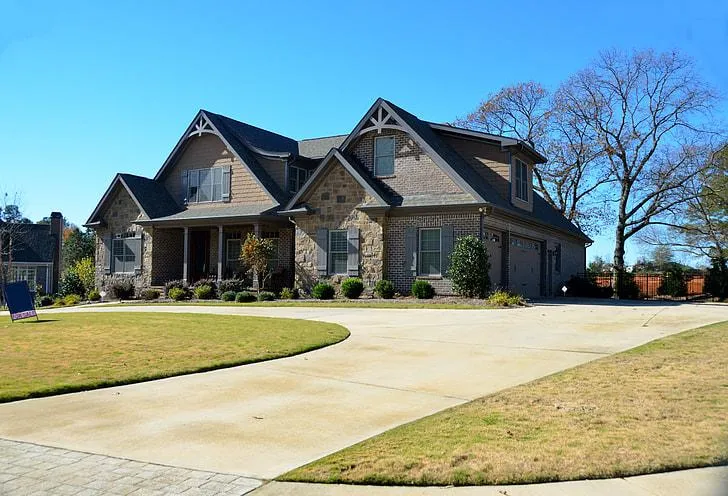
(77, 245)
(469, 266)
(257, 253)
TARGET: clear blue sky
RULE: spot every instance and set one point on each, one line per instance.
(88, 89)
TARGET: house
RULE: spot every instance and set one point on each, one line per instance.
(33, 253)
(387, 200)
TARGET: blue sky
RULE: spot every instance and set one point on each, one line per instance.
(88, 89)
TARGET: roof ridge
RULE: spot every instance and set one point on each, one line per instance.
(324, 137)
(247, 124)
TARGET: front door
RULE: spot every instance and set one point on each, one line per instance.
(199, 255)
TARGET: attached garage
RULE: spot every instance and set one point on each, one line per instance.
(525, 267)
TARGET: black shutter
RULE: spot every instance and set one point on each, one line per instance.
(352, 260)
(446, 246)
(410, 250)
(108, 254)
(322, 250)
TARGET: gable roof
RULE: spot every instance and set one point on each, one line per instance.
(370, 185)
(319, 147)
(150, 196)
(34, 243)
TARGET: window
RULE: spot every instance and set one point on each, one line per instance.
(204, 185)
(384, 156)
(338, 245)
(275, 259)
(429, 252)
(125, 249)
(21, 273)
(521, 183)
(232, 258)
(297, 177)
(557, 258)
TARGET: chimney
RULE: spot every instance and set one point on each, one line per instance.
(57, 233)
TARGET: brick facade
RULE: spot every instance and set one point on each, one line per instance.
(414, 171)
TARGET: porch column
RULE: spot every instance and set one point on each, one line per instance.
(256, 283)
(185, 257)
(219, 253)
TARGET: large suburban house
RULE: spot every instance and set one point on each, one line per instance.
(386, 201)
(32, 252)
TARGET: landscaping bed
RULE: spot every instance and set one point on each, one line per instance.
(658, 407)
(65, 352)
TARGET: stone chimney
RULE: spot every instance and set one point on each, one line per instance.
(57, 233)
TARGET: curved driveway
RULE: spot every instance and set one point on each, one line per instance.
(263, 419)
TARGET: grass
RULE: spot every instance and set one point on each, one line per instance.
(67, 352)
(392, 304)
(658, 407)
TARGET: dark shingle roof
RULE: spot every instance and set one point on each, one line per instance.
(33, 243)
(153, 197)
(215, 212)
(319, 147)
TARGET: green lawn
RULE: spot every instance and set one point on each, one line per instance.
(661, 406)
(67, 352)
(394, 304)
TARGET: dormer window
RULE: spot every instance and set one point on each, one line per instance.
(521, 180)
(384, 156)
(297, 177)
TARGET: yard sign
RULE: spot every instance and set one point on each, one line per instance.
(19, 301)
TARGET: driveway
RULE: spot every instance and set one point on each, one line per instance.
(263, 419)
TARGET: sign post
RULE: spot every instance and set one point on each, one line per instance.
(19, 301)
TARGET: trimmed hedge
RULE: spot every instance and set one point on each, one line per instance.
(384, 289)
(323, 291)
(228, 296)
(422, 290)
(352, 288)
(244, 297)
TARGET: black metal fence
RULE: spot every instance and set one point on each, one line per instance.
(644, 286)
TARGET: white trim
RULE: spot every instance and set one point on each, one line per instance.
(374, 154)
(222, 181)
(330, 252)
(419, 251)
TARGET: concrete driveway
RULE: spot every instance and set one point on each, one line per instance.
(263, 419)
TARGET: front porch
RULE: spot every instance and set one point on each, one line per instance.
(195, 252)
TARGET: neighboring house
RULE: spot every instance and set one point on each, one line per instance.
(388, 200)
(35, 253)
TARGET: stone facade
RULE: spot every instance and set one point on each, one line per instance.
(118, 218)
(335, 201)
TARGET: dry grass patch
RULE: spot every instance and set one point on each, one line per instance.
(67, 352)
(658, 407)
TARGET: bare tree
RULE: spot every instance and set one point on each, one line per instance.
(698, 226)
(646, 109)
(12, 228)
(572, 178)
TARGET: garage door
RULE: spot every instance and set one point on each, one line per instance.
(525, 274)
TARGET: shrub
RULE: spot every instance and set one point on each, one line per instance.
(422, 290)
(244, 297)
(149, 294)
(234, 285)
(59, 301)
(673, 283)
(177, 283)
(204, 292)
(121, 288)
(716, 282)
(469, 266)
(626, 286)
(585, 287)
(72, 299)
(266, 296)
(501, 298)
(94, 295)
(323, 291)
(71, 284)
(352, 287)
(384, 289)
(45, 301)
(86, 272)
(178, 294)
(228, 296)
(205, 282)
(289, 294)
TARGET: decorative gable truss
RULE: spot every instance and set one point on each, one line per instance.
(382, 119)
(201, 125)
